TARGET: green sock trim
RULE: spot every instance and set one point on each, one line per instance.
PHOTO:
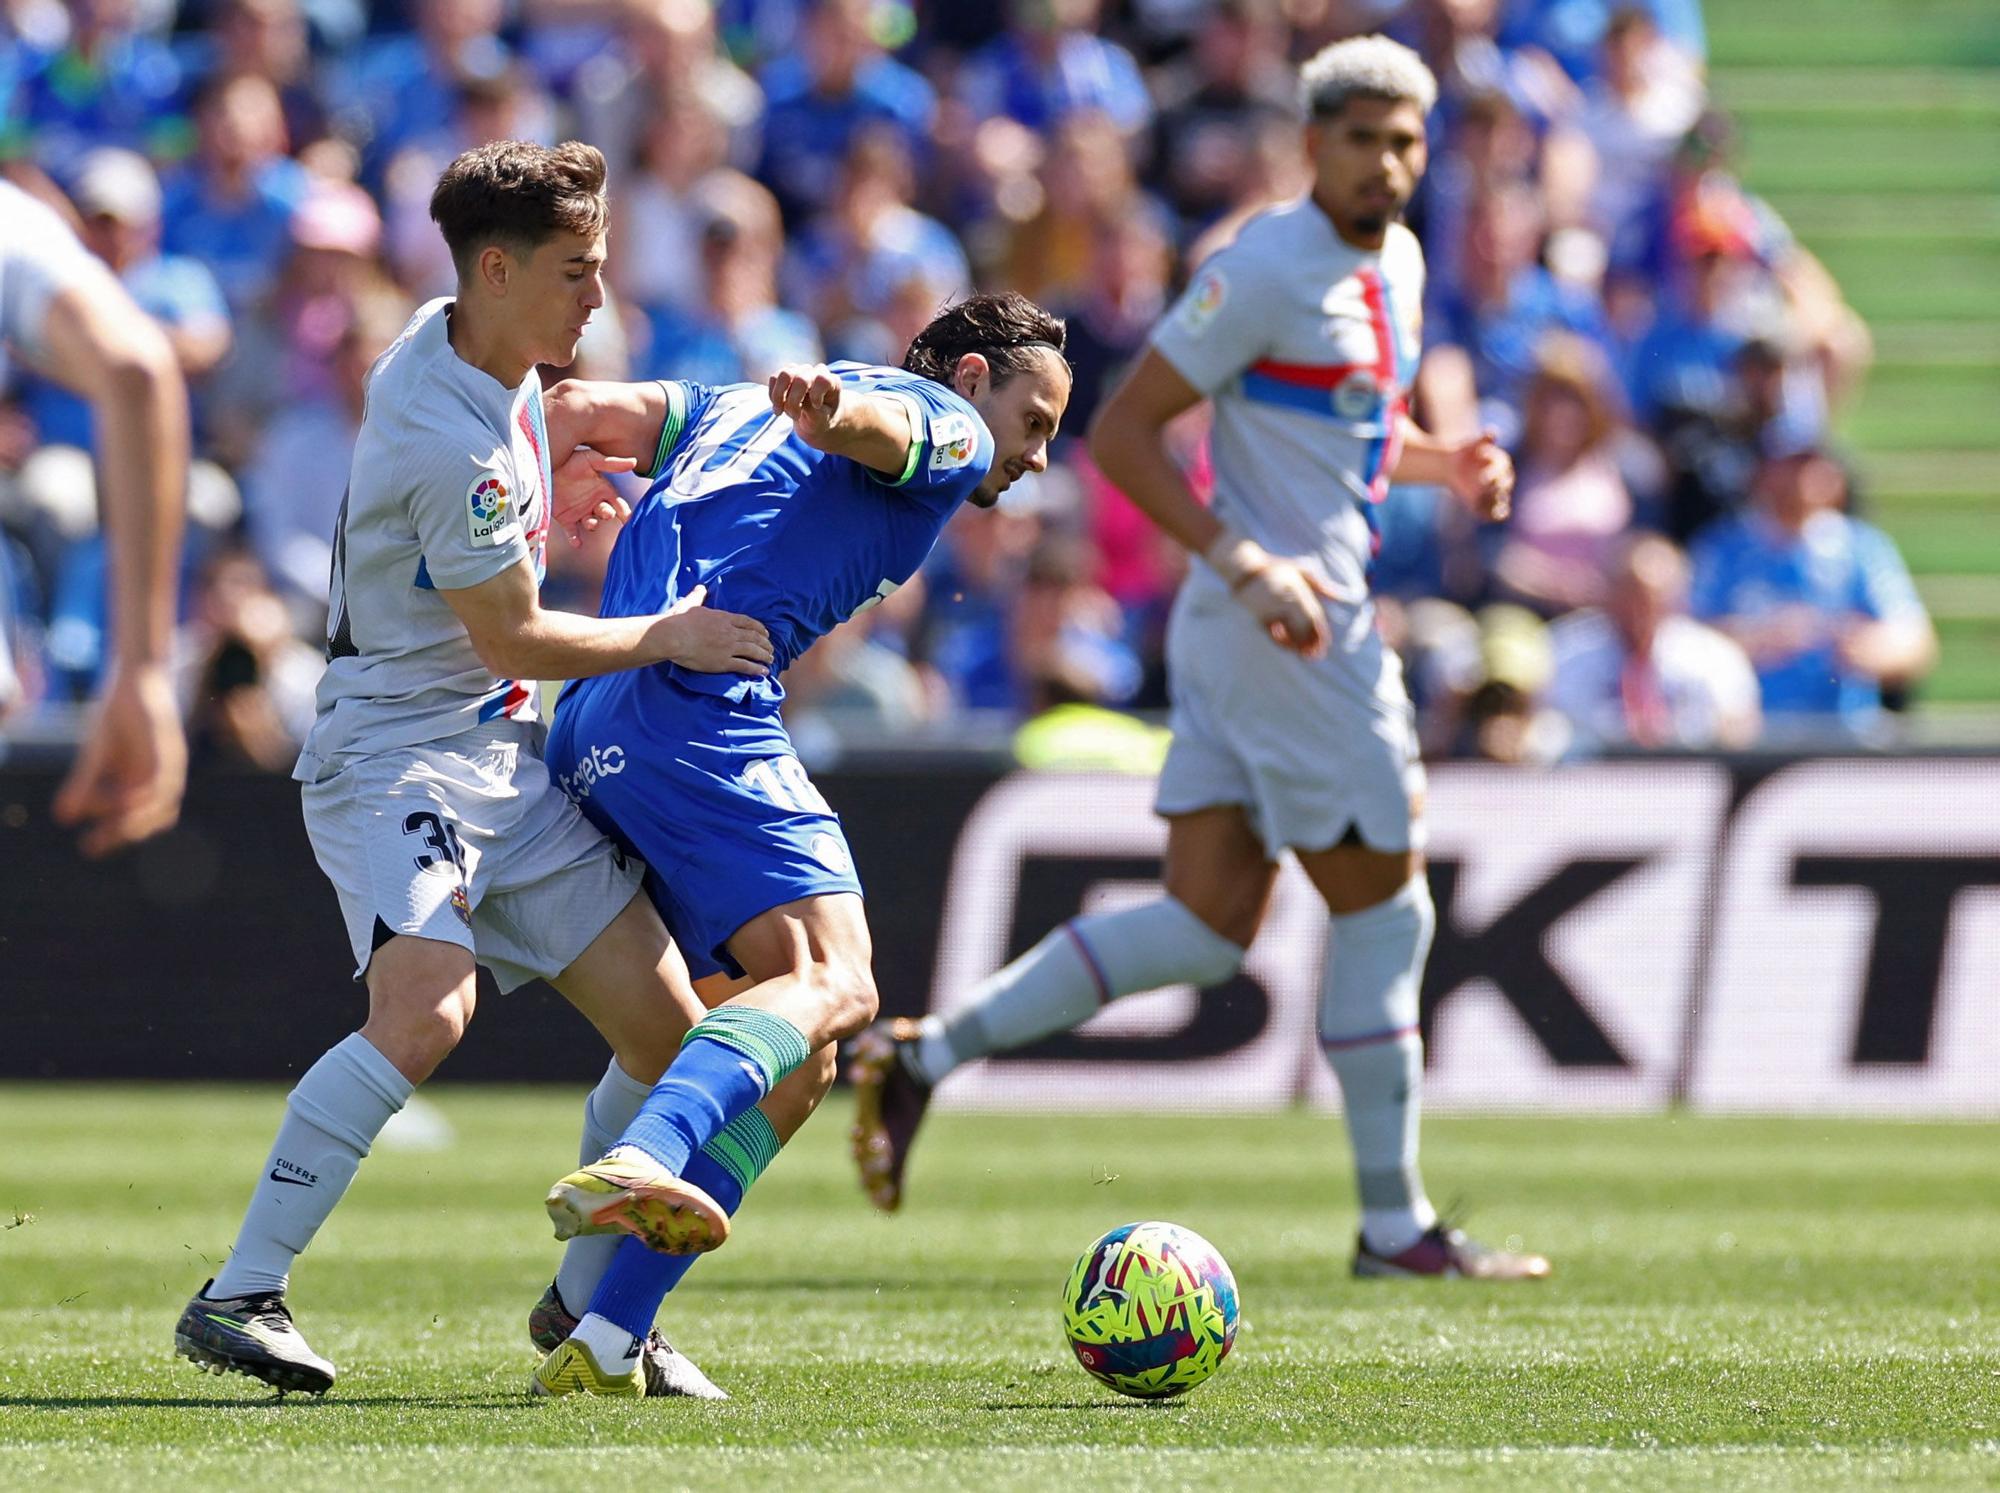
(770, 1042)
(745, 1147)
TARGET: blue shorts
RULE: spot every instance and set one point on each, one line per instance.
(710, 796)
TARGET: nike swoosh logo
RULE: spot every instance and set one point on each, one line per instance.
(262, 1336)
(278, 1176)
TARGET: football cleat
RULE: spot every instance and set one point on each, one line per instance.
(669, 1372)
(1447, 1253)
(250, 1335)
(889, 1104)
(572, 1370)
(641, 1198)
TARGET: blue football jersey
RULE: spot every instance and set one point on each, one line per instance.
(1744, 566)
(779, 531)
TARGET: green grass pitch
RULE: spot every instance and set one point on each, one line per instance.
(1744, 1304)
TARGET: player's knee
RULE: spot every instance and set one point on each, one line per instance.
(415, 1030)
(847, 988)
(1230, 908)
(416, 1040)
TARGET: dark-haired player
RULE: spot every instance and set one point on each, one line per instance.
(425, 798)
(799, 503)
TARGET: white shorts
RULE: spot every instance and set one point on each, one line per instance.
(466, 841)
(1312, 748)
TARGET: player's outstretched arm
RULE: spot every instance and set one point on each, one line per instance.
(517, 638)
(131, 769)
(1478, 472)
(1127, 441)
(616, 419)
(873, 429)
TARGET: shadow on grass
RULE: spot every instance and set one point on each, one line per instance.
(862, 1286)
(272, 1401)
(1123, 1406)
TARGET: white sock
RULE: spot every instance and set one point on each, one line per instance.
(331, 1119)
(1368, 1028)
(615, 1349)
(606, 1113)
(1063, 980)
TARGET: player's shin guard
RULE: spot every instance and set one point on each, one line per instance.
(1368, 1027)
(331, 1121)
(609, 1109)
(732, 1058)
(1062, 981)
(639, 1279)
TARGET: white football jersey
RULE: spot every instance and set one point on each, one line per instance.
(448, 488)
(1305, 347)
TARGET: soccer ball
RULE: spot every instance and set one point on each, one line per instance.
(1150, 1310)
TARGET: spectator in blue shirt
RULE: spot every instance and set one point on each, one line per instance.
(839, 80)
(268, 38)
(1507, 304)
(739, 330)
(1821, 602)
(1572, 31)
(108, 86)
(231, 206)
(849, 260)
(1048, 64)
(403, 86)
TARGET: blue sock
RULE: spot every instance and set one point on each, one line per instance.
(731, 1058)
(639, 1279)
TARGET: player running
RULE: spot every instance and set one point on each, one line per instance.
(64, 312)
(801, 503)
(426, 800)
(1303, 335)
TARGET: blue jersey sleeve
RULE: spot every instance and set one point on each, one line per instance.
(952, 450)
(686, 403)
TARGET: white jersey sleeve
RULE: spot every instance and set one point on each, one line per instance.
(465, 503)
(39, 260)
(1221, 323)
(445, 491)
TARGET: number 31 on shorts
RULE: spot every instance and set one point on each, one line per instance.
(782, 781)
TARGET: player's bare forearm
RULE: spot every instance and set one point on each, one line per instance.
(875, 431)
(830, 416)
(1478, 472)
(103, 347)
(1128, 443)
(615, 418)
(1127, 440)
(516, 638)
(1423, 458)
(565, 645)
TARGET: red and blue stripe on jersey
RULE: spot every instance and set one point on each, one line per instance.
(1312, 388)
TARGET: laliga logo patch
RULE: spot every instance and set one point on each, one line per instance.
(1357, 395)
(953, 440)
(1204, 298)
(489, 510)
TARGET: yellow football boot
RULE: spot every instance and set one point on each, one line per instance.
(572, 1370)
(639, 1197)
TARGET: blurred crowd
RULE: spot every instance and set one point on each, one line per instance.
(1686, 566)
